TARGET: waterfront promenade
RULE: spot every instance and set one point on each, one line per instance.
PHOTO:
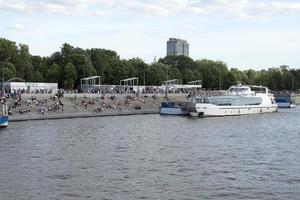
(48, 106)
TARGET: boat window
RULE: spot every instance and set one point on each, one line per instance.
(259, 89)
(205, 100)
(238, 90)
(230, 101)
(247, 101)
(220, 101)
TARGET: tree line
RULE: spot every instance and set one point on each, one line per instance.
(67, 66)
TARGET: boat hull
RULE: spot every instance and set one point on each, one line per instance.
(208, 110)
(173, 108)
(3, 121)
(285, 105)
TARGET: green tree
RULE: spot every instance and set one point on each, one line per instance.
(188, 75)
(25, 69)
(229, 79)
(104, 62)
(213, 73)
(178, 61)
(38, 77)
(70, 76)
(157, 73)
(262, 78)
(9, 70)
(251, 77)
(8, 49)
(53, 74)
(40, 64)
(138, 69)
(275, 81)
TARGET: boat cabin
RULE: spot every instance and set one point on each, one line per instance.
(246, 90)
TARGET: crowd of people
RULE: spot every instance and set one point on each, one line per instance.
(16, 104)
(120, 89)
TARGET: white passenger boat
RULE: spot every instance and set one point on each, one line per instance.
(239, 100)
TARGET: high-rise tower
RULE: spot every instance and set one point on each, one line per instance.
(177, 47)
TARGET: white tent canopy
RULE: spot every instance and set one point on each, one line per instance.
(90, 82)
(195, 84)
(32, 86)
(130, 81)
(171, 82)
(130, 84)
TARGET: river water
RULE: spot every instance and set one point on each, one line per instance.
(153, 157)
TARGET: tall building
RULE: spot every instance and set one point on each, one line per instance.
(177, 47)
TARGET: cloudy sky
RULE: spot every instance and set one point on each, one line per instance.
(243, 33)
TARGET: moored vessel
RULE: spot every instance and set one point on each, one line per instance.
(285, 100)
(173, 108)
(4, 115)
(239, 100)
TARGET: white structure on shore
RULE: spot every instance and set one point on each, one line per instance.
(31, 87)
(173, 85)
(130, 84)
(90, 83)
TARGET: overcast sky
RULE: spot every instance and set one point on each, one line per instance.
(243, 33)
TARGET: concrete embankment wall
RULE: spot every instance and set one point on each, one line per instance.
(81, 115)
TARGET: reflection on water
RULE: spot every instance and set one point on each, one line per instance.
(153, 157)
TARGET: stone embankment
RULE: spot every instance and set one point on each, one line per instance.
(48, 106)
